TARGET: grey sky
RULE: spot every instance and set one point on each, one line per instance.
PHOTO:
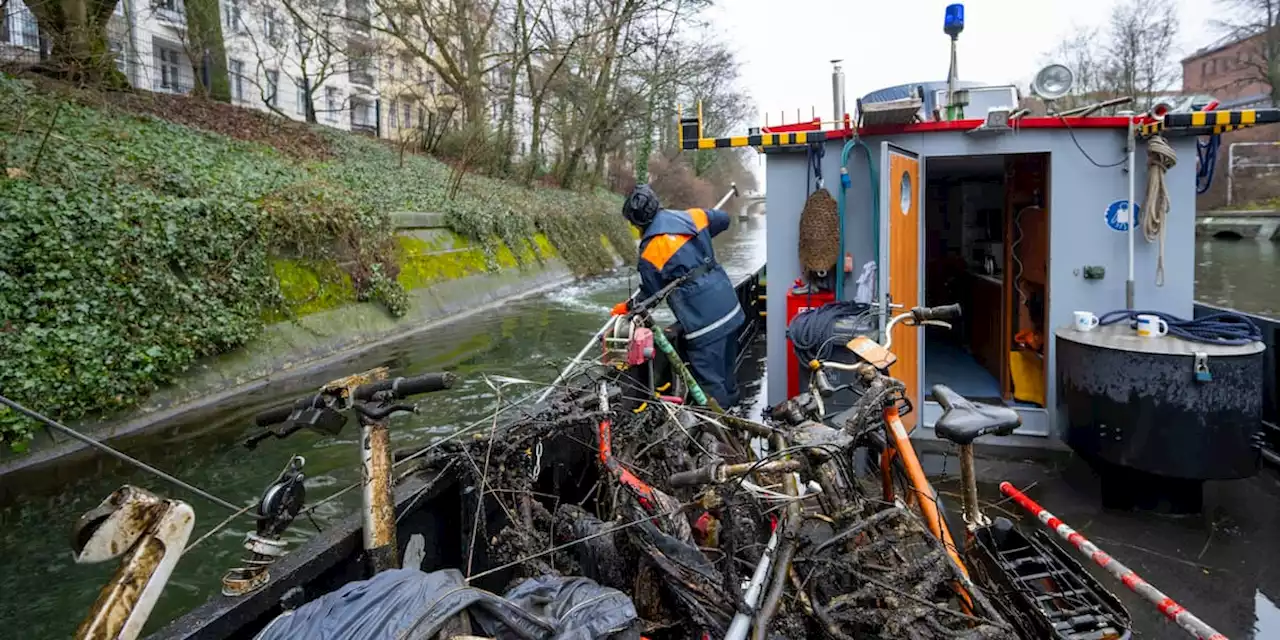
(786, 46)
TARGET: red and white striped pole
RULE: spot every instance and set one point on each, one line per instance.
(1183, 618)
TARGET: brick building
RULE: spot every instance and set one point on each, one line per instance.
(1226, 70)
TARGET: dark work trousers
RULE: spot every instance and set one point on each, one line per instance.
(712, 364)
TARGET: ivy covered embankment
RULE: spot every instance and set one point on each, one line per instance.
(131, 245)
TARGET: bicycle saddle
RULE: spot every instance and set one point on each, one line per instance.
(962, 421)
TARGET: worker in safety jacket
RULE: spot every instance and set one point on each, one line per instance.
(675, 244)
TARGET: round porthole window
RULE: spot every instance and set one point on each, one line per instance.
(904, 192)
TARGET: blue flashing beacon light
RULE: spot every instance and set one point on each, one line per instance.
(953, 23)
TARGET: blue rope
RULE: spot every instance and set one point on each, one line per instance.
(1215, 328)
(1207, 154)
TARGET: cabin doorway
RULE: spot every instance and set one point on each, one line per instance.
(985, 246)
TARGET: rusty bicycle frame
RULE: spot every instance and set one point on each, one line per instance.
(875, 361)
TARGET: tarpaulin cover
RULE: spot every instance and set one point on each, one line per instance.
(408, 604)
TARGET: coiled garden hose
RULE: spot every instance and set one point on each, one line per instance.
(1216, 328)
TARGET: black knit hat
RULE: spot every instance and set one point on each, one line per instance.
(641, 206)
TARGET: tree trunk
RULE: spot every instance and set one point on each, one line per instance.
(204, 29)
(534, 162)
(77, 33)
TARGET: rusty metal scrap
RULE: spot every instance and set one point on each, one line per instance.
(866, 569)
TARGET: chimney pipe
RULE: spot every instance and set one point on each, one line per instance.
(837, 94)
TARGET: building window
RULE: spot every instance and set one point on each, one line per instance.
(393, 115)
(301, 87)
(391, 68)
(271, 26)
(170, 63)
(172, 6)
(331, 104)
(273, 87)
(18, 26)
(233, 20)
(408, 115)
(117, 52)
(235, 69)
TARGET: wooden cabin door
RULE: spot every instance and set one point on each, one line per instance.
(901, 191)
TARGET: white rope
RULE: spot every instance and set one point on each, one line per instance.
(1160, 158)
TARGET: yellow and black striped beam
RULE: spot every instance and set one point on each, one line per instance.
(758, 140)
(1202, 123)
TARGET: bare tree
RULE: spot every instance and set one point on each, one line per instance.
(1130, 57)
(302, 42)
(453, 38)
(1256, 24)
(1142, 37)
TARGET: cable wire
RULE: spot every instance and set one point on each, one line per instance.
(1086, 155)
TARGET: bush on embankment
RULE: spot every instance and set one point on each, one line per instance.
(130, 245)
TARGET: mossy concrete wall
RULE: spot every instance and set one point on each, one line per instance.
(445, 275)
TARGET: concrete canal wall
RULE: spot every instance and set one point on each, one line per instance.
(446, 276)
(1263, 224)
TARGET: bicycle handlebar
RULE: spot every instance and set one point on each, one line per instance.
(944, 312)
(405, 387)
(281, 413)
(399, 387)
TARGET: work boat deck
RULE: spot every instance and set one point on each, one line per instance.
(1220, 565)
(1030, 224)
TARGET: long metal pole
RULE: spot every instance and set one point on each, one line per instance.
(1231, 170)
(133, 461)
(578, 358)
(1183, 618)
(733, 190)
(1133, 218)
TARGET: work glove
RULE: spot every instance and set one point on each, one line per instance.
(622, 308)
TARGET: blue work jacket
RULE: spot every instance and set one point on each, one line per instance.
(675, 243)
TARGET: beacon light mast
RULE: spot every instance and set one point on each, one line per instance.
(953, 24)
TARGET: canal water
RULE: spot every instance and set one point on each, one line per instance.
(1239, 274)
(46, 594)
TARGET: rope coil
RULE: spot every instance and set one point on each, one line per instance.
(1160, 158)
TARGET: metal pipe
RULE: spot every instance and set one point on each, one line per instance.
(379, 507)
(133, 461)
(972, 514)
(1184, 619)
(837, 94)
(1231, 169)
(1133, 218)
(742, 619)
(782, 567)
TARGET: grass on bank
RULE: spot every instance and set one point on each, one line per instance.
(131, 245)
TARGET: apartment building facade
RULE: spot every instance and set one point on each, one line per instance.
(310, 55)
(1228, 70)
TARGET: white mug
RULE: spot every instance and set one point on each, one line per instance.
(1150, 326)
(1085, 321)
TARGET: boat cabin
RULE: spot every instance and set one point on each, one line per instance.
(1021, 220)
